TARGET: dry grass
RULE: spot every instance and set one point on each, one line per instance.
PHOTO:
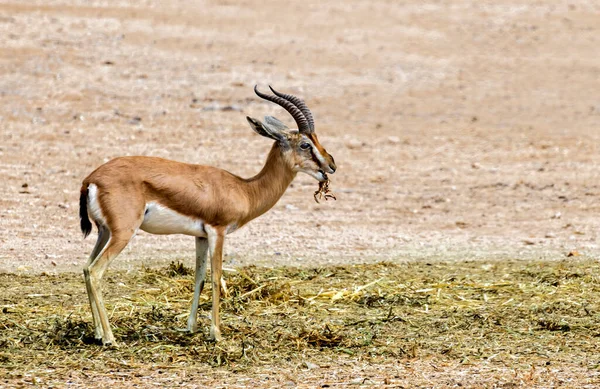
(511, 315)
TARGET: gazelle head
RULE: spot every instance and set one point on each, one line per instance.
(300, 147)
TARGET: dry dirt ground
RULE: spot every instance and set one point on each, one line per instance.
(461, 129)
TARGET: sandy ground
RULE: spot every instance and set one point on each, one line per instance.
(461, 129)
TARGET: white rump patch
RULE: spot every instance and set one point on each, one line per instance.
(161, 220)
(93, 206)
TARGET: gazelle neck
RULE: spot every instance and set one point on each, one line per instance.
(267, 187)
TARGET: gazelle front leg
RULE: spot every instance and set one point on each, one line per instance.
(201, 250)
(216, 238)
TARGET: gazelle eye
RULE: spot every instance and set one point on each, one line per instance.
(305, 146)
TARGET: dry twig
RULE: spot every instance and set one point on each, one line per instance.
(324, 192)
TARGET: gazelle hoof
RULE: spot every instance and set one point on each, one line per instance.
(215, 336)
(110, 343)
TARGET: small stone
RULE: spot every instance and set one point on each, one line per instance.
(214, 106)
(354, 144)
(310, 365)
(232, 107)
(359, 381)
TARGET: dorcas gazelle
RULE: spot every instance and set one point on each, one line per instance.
(160, 196)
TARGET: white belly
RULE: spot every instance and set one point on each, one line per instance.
(159, 219)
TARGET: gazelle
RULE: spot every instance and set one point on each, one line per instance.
(160, 196)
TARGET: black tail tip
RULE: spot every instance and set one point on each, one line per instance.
(86, 225)
(86, 228)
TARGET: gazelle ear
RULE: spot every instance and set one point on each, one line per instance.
(266, 131)
(275, 125)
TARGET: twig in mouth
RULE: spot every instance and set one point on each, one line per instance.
(324, 192)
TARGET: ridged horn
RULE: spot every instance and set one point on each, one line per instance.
(298, 102)
(296, 113)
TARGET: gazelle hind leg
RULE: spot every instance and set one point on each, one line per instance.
(201, 254)
(93, 275)
(103, 237)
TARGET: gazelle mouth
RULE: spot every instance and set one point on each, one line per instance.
(325, 178)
